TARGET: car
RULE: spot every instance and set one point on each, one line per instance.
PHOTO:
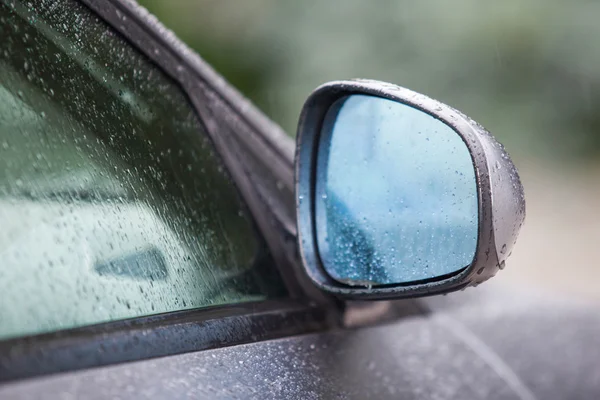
(162, 238)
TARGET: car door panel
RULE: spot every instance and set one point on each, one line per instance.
(450, 353)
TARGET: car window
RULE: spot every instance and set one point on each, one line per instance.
(113, 203)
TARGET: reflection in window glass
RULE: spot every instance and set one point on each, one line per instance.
(113, 204)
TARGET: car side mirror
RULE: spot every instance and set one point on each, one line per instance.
(399, 195)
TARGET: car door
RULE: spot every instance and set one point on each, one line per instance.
(263, 331)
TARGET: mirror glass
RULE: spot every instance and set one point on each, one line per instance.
(396, 195)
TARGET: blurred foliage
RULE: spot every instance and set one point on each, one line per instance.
(527, 70)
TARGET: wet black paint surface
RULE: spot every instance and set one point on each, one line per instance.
(481, 344)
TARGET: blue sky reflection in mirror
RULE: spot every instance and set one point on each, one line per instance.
(396, 195)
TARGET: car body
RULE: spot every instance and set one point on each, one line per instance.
(484, 343)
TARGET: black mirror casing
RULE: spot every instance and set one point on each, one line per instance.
(500, 195)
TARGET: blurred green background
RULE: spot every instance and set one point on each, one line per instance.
(529, 71)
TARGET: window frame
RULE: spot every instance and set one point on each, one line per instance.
(214, 101)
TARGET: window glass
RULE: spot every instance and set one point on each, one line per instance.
(113, 203)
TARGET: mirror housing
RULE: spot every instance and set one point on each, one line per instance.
(340, 184)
